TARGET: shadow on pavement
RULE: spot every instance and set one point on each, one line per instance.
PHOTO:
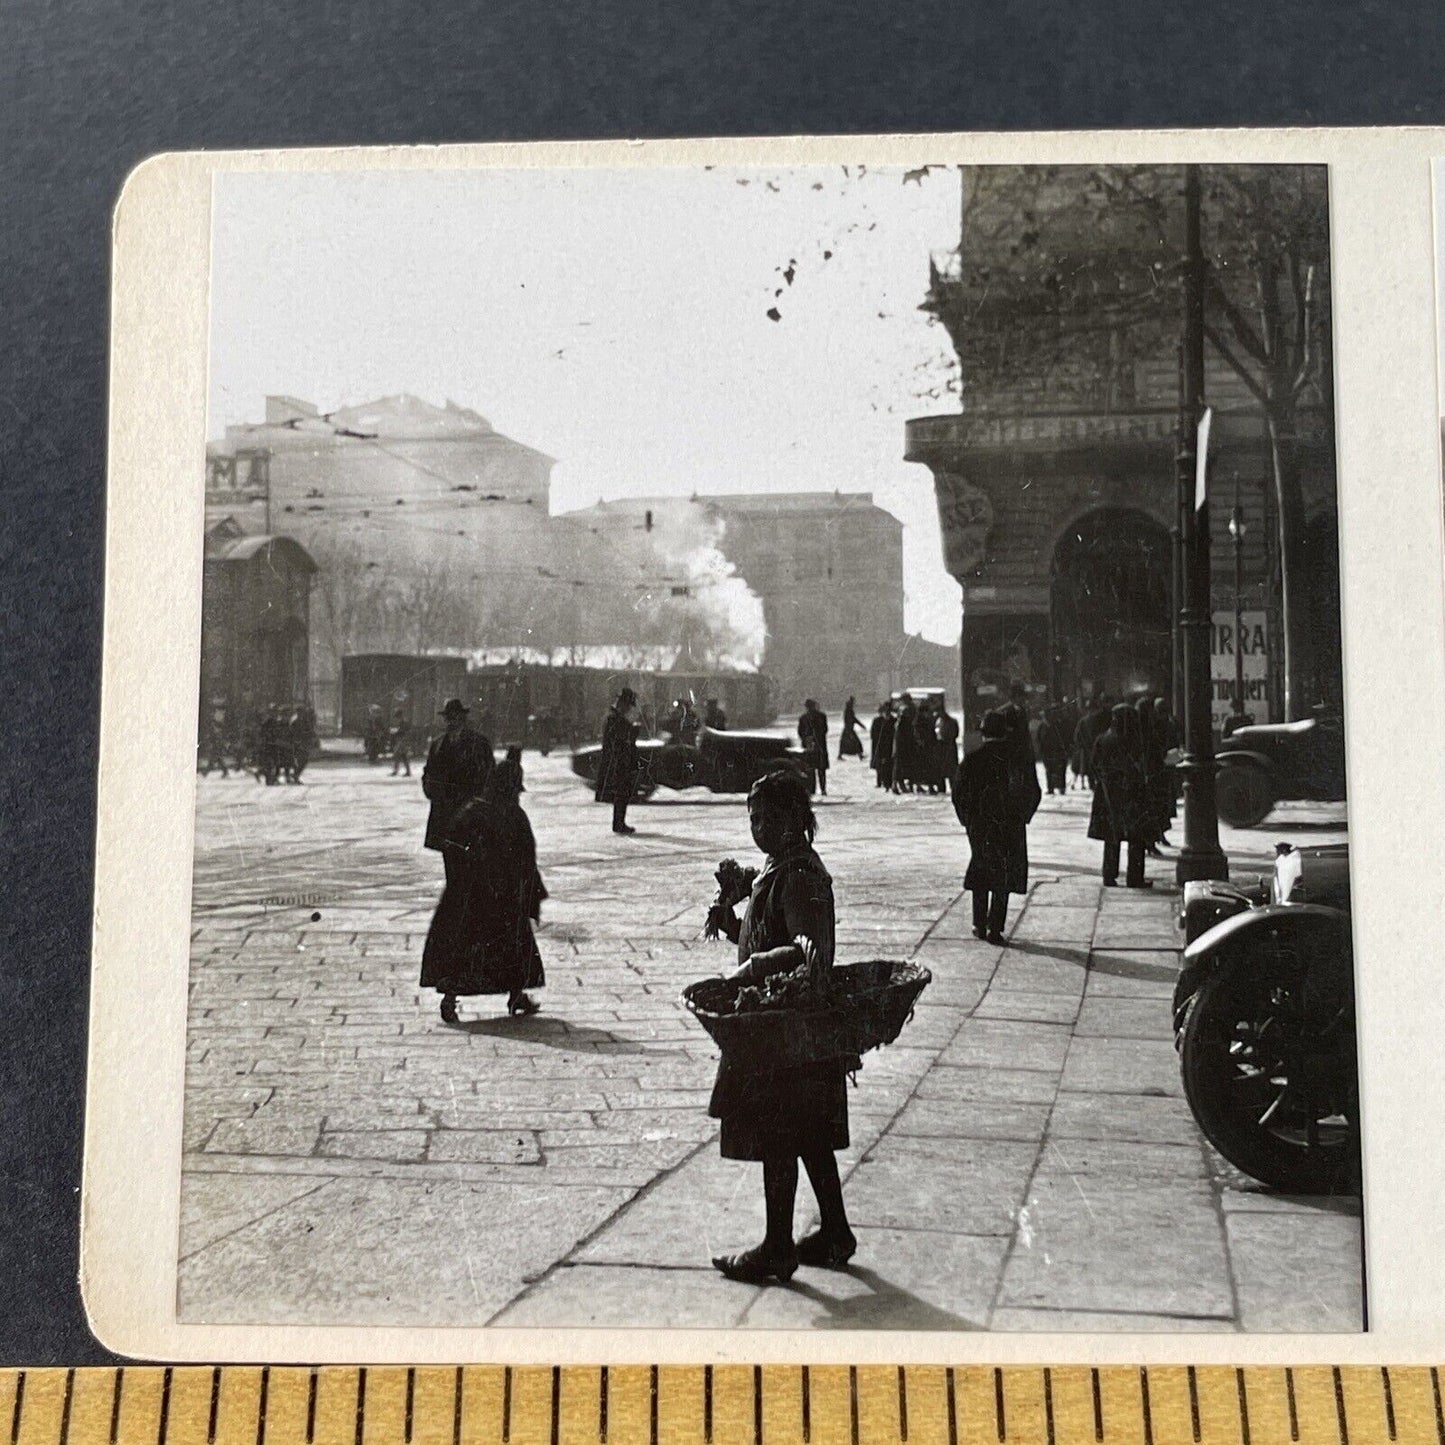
(886, 1307)
(554, 1033)
(1116, 967)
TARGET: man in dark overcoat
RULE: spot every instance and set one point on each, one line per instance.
(458, 765)
(813, 734)
(995, 797)
(946, 729)
(881, 738)
(1120, 809)
(1054, 744)
(905, 747)
(618, 766)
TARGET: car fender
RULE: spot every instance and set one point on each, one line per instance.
(1244, 758)
(1313, 925)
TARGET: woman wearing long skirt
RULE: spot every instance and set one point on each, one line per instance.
(780, 1115)
(480, 940)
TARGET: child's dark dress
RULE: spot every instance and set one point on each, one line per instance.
(767, 1113)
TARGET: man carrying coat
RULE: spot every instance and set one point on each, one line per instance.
(618, 766)
(457, 768)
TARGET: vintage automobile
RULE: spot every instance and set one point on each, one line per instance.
(1266, 763)
(1264, 1018)
(721, 762)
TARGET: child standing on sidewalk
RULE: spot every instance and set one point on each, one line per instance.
(781, 1115)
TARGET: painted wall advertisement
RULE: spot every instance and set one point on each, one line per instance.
(1250, 641)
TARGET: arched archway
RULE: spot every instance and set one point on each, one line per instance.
(1109, 605)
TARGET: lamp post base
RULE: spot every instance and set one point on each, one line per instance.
(1195, 864)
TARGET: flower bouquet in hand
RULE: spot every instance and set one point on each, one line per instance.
(734, 883)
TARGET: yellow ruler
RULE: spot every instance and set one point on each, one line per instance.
(722, 1405)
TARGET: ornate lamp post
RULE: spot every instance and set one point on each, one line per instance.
(1201, 856)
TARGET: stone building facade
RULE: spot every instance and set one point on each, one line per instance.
(1056, 479)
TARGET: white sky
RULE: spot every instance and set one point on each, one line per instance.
(616, 320)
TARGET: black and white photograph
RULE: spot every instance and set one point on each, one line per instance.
(771, 754)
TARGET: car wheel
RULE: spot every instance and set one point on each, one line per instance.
(1243, 795)
(1269, 1069)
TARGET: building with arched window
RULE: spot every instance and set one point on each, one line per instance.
(1056, 479)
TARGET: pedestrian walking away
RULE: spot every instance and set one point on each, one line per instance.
(480, 940)
(458, 765)
(946, 729)
(881, 733)
(995, 797)
(401, 745)
(813, 734)
(618, 766)
(1120, 811)
(850, 745)
(1054, 746)
(905, 747)
(780, 1115)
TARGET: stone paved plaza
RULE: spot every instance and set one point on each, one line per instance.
(1022, 1157)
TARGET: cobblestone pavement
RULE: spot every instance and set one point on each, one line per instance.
(1022, 1157)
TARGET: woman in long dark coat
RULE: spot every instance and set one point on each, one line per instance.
(1120, 813)
(850, 745)
(995, 796)
(480, 940)
(784, 1114)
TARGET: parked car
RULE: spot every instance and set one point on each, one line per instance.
(1267, 763)
(721, 762)
(1264, 1017)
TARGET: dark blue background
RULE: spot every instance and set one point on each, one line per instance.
(89, 89)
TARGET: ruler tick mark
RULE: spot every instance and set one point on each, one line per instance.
(1147, 1404)
(952, 1406)
(707, 1404)
(1049, 1404)
(1340, 1407)
(999, 1414)
(1439, 1410)
(556, 1403)
(215, 1404)
(19, 1405)
(115, 1395)
(1293, 1407)
(457, 1408)
(360, 1405)
(506, 1404)
(165, 1419)
(311, 1408)
(1389, 1401)
(260, 1407)
(902, 1404)
(853, 1403)
(410, 1402)
(757, 1405)
(65, 1408)
(602, 1406)
(652, 1425)
(1243, 1406)
(1193, 1404)
(806, 1386)
(1099, 1406)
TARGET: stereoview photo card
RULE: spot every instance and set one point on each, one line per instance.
(764, 748)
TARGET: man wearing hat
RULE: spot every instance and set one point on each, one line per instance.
(457, 768)
(617, 768)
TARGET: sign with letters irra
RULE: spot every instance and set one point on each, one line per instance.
(1252, 642)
